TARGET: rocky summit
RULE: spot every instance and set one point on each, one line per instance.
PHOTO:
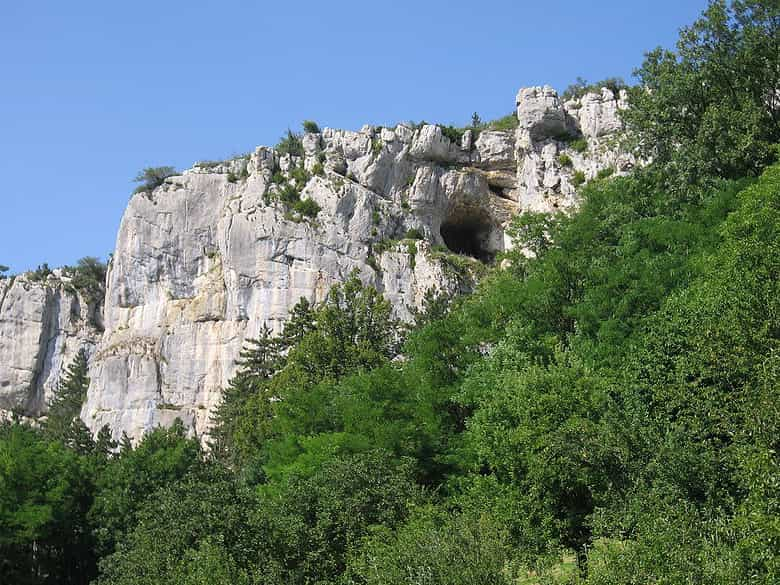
(207, 258)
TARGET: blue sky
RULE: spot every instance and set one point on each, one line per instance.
(92, 92)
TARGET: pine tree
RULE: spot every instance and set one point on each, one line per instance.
(78, 438)
(299, 323)
(260, 357)
(259, 360)
(125, 444)
(66, 404)
(105, 444)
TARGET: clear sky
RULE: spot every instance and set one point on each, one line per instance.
(91, 92)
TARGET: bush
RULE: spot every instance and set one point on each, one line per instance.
(384, 245)
(581, 87)
(207, 164)
(376, 146)
(310, 127)
(455, 135)
(290, 144)
(414, 234)
(289, 194)
(89, 276)
(41, 273)
(508, 122)
(578, 178)
(371, 261)
(579, 144)
(605, 173)
(300, 176)
(307, 207)
(152, 177)
(436, 549)
(564, 160)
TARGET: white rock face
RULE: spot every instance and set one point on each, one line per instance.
(42, 327)
(560, 145)
(208, 258)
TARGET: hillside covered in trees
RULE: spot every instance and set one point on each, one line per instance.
(604, 410)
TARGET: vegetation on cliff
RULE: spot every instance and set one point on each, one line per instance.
(602, 413)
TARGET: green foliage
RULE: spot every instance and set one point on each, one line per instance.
(581, 87)
(300, 176)
(151, 178)
(208, 164)
(41, 273)
(65, 406)
(508, 122)
(307, 207)
(45, 493)
(414, 234)
(290, 144)
(476, 121)
(603, 410)
(124, 485)
(564, 160)
(605, 173)
(710, 109)
(242, 421)
(310, 127)
(212, 540)
(411, 250)
(317, 516)
(289, 194)
(578, 178)
(436, 548)
(376, 146)
(89, 277)
(532, 231)
(372, 262)
(453, 134)
(383, 246)
(3, 269)
(578, 144)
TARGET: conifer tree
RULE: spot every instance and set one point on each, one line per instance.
(105, 444)
(259, 360)
(299, 323)
(78, 438)
(125, 444)
(66, 404)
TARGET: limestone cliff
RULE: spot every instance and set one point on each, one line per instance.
(43, 324)
(204, 260)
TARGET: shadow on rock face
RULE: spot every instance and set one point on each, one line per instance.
(468, 232)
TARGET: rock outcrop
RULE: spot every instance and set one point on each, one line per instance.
(43, 325)
(209, 257)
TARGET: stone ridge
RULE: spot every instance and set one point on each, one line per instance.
(209, 257)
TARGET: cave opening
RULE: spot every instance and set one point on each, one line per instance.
(468, 234)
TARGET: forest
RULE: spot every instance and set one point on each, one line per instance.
(604, 410)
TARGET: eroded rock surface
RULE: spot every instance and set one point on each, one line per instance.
(43, 324)
(205, 260)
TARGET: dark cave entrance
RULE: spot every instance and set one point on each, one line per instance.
(468, 234)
